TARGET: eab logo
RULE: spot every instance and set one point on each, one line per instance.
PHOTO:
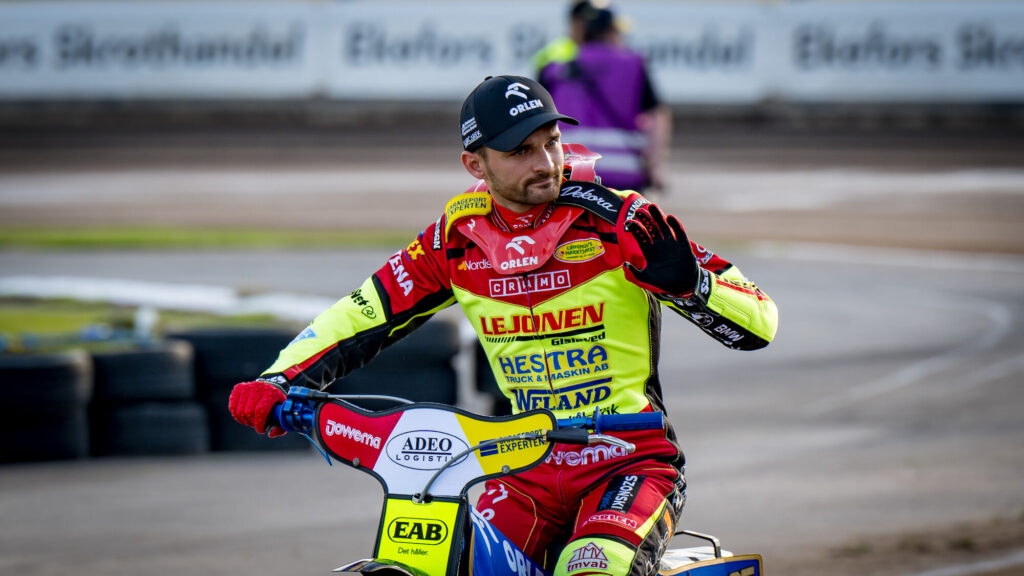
(417, 531)
(579, 250)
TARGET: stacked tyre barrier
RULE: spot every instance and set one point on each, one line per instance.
(144, 402)
(224, 357)
(47, 398)
(418, 368)
(488, 386)
(170, 398)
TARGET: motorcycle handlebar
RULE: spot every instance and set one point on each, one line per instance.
(295, 414)
(569, 436)
(602, 423)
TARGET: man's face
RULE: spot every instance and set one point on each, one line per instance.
(528, 175)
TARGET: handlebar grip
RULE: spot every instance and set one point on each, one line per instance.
(274, 418)
(638, 421)
(569, 436)
(293, 415)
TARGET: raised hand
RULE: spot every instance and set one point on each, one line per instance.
(671, 266)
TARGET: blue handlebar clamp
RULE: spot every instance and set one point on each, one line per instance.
(637, 421)
(295, 414)
(601, 423)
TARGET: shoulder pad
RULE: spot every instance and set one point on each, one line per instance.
(594, 198)
(468, 204)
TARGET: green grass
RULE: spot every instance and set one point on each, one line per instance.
(197, 238)
(18, 316)
(38, 325)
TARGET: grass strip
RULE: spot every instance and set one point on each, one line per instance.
(145, 238)
(45, 325)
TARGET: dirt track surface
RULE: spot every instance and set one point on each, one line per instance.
(915, 190)
(888, 411)
(989, 548)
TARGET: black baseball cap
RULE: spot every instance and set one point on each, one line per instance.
(503, 110)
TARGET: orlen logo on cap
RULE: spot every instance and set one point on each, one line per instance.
(513, 90)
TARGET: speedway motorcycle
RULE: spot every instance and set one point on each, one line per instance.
(427, 457)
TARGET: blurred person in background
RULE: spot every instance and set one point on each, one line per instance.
(563, 280)
(606, 86)
(564, 48)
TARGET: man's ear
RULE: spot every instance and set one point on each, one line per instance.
(473, 163)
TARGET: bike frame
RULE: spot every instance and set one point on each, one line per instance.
(404, 448)
(427, 457)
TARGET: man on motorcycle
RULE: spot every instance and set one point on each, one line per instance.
(564, 281)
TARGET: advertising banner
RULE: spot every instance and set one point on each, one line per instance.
(902, 52)
(701, 53)
(431, 50)
(705, 53)
(96, 50)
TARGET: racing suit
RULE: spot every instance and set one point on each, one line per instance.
(566, 327)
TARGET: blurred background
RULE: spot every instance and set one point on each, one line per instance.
(184, 185)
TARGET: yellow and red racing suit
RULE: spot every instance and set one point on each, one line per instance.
(566, 327)
(563, 324)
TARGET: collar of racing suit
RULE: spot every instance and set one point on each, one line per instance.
(515, 252)
(516, 221)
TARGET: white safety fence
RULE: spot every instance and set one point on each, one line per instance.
(700, 52)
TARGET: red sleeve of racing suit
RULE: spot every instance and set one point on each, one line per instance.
(409, 288)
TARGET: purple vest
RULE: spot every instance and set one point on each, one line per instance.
(603, 89)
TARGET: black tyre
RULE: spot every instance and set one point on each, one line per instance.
(418, 368)
(224, 357)
(162, 371)
(419, 384)
(486, 383)
(151, 429)
(48, 435)
(45, 396)
(49, 380)
(432, 344)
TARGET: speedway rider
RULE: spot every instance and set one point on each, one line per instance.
(564, 281)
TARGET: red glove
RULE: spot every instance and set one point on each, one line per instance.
(251, 402)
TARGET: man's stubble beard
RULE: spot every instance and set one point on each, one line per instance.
(523, 194)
